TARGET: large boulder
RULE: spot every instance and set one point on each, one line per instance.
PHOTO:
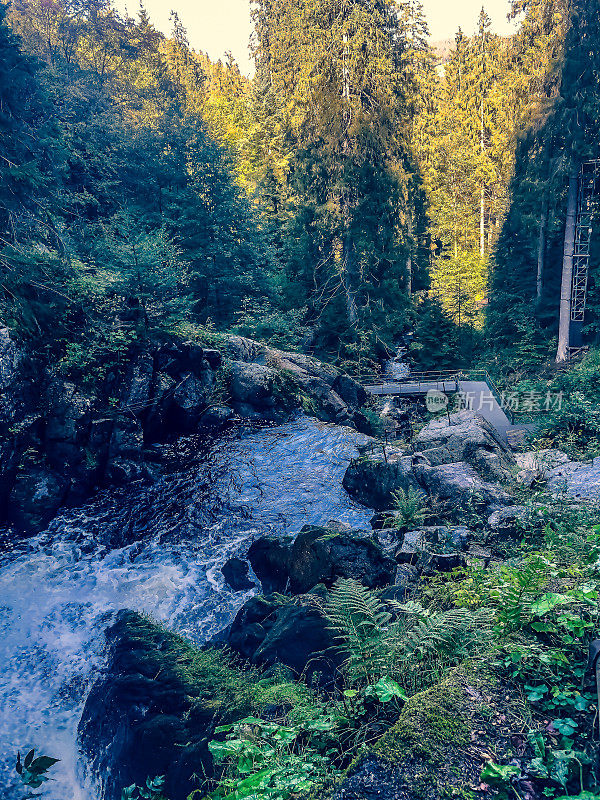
(286, 379)
(467, 437)
(578, 479)
(154, 708)
(439, 745)
(37, 494)
(319, 555)
(269, 632)
(460, 486)
(235, 571)
(269, 558)
(253, 390)
(373, 480)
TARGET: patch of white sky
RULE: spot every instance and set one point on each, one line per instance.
(220, 26)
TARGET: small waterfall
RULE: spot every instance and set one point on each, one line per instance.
(396, 368)
(156, 549)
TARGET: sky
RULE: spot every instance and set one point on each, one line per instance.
(216, 26)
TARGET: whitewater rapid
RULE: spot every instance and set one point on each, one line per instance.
(157, 549)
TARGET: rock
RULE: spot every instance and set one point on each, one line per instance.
(235, 571)
(541, 460)
(373, 480)
(136, 390)
(252, 389)
(469, 438)
(269, 558)
(241, 349)
(123, 471)
(461, 486)
(414, 544)
(578, 479)
(505, 521)
(319, 555)
(189, 401)
(434, 548)
(37, 494)
(69, 425)
(216, 417)
(294, 635)
(340, 527)
(438, 746)
(11, 358)
(155, 706)
(405, 583)
(251, 625)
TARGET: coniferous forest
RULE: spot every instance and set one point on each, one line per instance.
(354, 190)
(300, 406)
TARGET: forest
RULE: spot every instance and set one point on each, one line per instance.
(257, 542)
(355, 190)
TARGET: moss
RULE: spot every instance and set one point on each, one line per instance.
(286, 389)
(430, 722)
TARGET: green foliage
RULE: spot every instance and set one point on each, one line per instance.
(153, 790)
(414, 648)
(275, 761)
(32, 770)
(411, 509)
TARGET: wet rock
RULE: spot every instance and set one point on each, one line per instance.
(468, 438)
(37, 494)
(373, 480)
(216, 417)
(155, 707)
(270, 560)
(235, 571)
(293, 634)
(123, 471)
(319, 555)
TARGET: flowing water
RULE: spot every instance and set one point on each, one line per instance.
(157, 549)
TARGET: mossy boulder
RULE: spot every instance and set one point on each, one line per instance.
(439, 745)
(154, 708)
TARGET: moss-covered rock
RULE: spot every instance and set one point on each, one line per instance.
(154, 709)
(439, 745)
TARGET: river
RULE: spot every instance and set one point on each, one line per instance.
(153, 548)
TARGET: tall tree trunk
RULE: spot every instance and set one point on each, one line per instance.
(409, 276)
(564, 325)
(482, 190)
(482, 223)
(348, 280)
(541, 250)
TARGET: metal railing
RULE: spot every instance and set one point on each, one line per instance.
(375, 380)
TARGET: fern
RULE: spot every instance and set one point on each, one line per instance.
(411, 509)
(361, 626)
(414, 648)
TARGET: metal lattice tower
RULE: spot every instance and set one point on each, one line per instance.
(587, 207)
